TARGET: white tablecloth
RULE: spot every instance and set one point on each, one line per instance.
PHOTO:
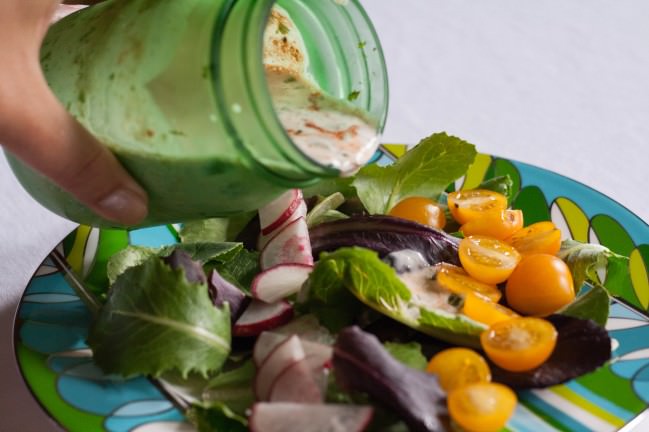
(563, 85)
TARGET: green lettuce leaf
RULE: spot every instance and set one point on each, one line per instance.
(325, 210)
(408, 354)
(215, 230)
(425, 170)
(586, 259)
(239, 269)
(376, 284)
(216, 418)
(593, 304)
(327, 298)
(156, 321)
(126, 258)
(232, 388)
(203, 251)
(501, 184)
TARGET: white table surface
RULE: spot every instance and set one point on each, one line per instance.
(560, 84)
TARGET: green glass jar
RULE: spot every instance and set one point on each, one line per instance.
(177, 90)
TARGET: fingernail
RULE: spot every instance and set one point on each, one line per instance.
(124, 206)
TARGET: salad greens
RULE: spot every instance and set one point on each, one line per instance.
(593, 303)
(426, 170)
(202, 251)
(408, 354)
(163, 316)
(376, 284)
(587, 259)
(155, 320)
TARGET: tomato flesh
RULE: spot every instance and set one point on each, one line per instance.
(488, 260)
(466, 205)
(540, 285)
(419, 209)
(499, 224)
(456, 367)
(458, 281)
(519, 344)
(540, 237)
(485, 311)
(482, 407)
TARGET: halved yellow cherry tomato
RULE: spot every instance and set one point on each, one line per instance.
(487, 312)
(540, 285)
(482, 407)
(519, 344)
(466, 205)
(456, 367)
(419, 209)
(540, 237)
(488, 260)
(499, 224)
(458, 281)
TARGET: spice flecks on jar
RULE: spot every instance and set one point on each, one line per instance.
(330, 131)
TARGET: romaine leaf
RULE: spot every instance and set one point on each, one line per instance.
(156, 321)
(425, 170)
(408, 354)
(216, 418)
(372, 280)
(362, 364)
(215, 230)
(586, 259)
(593, 304)
(327, 298)
(376, 284)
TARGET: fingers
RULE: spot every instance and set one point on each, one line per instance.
(36, 128)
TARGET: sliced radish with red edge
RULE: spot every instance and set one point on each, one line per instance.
(274, 214)
(280, 281)
(260, 316)
(296, 383)
(281, 358)
(291, 245)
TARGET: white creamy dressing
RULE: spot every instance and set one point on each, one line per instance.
(329, 131)
(419, 276)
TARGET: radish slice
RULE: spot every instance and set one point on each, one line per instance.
(316, 353)
(296, 383)
(301, 211)
(281, 358)
(260, 316)
(287, 416)
(291, 245)
(308, 328)
(274, 214)
(280, 281)
(265, 344)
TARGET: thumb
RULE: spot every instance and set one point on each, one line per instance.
(36, 128)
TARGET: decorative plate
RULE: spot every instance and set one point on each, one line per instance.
(51, 323)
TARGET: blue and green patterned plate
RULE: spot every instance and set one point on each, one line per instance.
(51, 323)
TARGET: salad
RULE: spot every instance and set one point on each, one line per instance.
(385, 301)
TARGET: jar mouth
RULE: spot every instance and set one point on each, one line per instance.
(331, 61)
(345, 61)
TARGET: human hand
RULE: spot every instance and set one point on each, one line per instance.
(37, 129)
